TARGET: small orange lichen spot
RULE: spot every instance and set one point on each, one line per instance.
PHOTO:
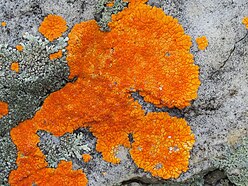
(19, 47)
(15, 66)
(3, 108)
(245, 22)
(134, 2)
(110, 4)
(53, 27)
(202, 42)
(3, 24)
(56, 55)
(86, 158)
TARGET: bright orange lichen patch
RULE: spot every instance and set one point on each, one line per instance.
(202, 42)
(133, 55)
(3, 24)
(3, 108)
(14, 66)
(86, 158)
(245, 22)
(19, 47)
(53, 27)
(56, 55)
(145, 51)
(32, 167)
(162, 145)
(63, 175)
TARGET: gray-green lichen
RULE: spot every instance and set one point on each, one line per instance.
(68, 147)
(7, 158)
(235, 163)
(103, 13)
(25, 91)
(34, 60)
(37, 77)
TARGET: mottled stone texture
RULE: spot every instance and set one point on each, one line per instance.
(218, 117)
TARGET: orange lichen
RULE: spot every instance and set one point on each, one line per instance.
(53, 27)
(135, 2)
(164, 143)
(19, 47)
(14, 66)
(3, 24)
(245, 22)
(86, 157)
(56, 55)
(145, 51)
(32, 167)
(139, 40)
(3, 108)
(202, 42)
(110, 4)
(63, 175)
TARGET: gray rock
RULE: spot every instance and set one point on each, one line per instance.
(219, 117)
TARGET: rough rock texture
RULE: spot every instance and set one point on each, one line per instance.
(219, 117)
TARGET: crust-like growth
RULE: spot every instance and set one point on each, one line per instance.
(145, 51)
(202, 42)
(14, 66)
(19, 47)
(86, 157)
(162, 144)
(3, 24)
(52, 27)
(56, 55)
(3, 108)
(63, 175)
(245, 22)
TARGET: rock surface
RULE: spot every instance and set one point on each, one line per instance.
(218, 118)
